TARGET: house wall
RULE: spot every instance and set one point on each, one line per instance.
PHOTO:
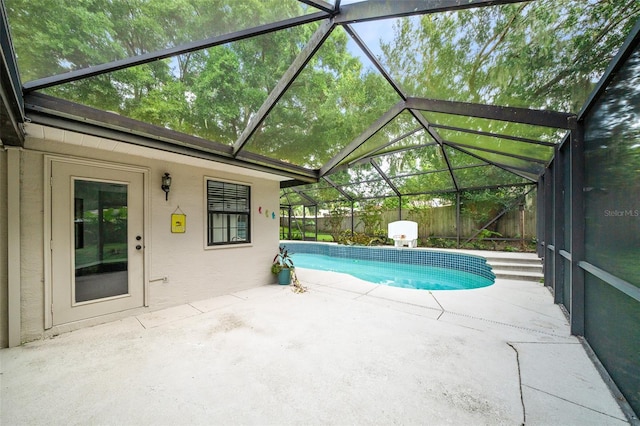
(192, 271)
(4, 331)
(32, 245)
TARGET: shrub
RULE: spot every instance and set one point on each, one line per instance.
(360, 239)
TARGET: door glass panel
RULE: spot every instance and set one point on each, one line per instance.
(100, 228)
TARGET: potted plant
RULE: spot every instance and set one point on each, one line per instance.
(282, 266)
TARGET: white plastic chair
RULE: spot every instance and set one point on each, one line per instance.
(404, 232)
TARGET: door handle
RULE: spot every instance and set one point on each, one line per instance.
(138, 247)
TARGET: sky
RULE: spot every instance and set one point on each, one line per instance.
(371, 33)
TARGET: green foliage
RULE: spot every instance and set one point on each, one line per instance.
(281, 260)
(486, 234)
(326, 237)
(419, 213)
(484, 238)
(276, 268)
(440, 242)
(111, 253)
(335, 220)
(482, 206)
(371, 218)
(296, 235)
(478, 244)
(535, 54)
(360, 239)
(543, 54)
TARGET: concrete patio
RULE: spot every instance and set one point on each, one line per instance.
(344, 352)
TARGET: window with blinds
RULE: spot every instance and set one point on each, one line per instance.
(228, 213)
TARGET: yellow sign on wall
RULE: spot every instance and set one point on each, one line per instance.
(178, 223)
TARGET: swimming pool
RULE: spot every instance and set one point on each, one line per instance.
(398, 267)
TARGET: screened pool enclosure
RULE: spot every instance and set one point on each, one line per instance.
(359, 101)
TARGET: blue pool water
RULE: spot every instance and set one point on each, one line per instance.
(394, 274)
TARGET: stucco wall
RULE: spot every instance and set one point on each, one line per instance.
(193, 272)
(32, 245)
(4, 337)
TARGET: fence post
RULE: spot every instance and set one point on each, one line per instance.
(458, 219)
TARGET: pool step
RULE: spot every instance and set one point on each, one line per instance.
(517, 275)
(527, 268)
(513, 266)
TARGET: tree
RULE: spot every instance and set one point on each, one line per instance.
(337, 216)
(542, 54)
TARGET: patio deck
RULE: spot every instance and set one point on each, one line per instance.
(345, 352)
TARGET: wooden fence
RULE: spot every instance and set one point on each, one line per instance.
(440, 222)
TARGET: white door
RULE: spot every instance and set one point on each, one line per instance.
(97, 240)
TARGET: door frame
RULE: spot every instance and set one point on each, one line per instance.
(49, 161)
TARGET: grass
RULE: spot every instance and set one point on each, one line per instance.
(295, 235)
